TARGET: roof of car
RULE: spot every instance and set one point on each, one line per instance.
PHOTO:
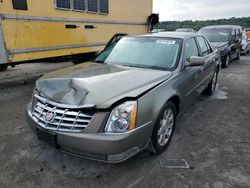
(222, 27)
(180, 35)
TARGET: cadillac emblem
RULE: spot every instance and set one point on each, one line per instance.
(49, 116)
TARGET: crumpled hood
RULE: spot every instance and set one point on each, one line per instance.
(97, 84)
(219, 44)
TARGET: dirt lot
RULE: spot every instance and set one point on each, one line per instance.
(213, 137)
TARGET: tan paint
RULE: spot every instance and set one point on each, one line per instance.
(28, 34)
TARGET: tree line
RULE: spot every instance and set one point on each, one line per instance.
(196, 25)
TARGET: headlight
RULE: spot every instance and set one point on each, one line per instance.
(122, 118)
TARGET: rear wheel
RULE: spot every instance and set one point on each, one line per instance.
(3, 68)
(212, 85)
(225, 61)
(164, 128)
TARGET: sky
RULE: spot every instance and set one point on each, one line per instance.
(180, 10)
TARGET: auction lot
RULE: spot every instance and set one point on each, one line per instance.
(212, 139)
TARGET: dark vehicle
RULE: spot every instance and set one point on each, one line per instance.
(127, 99)
(190, 30)
(227, 38)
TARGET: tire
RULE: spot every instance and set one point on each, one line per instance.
(162, 129)
(3, 68)
(225, 61)
(212, 85)
(238, 56)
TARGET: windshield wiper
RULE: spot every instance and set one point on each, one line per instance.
(143, 66)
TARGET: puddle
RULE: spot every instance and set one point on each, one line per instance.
(219, 94)
(174, 163)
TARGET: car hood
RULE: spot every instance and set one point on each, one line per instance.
(219, 44)
(98, 84)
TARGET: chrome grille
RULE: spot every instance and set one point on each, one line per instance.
(52, 117)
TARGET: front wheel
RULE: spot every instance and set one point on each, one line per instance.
(164, 128)
(225, 62)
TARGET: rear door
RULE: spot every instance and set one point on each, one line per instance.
(207, 70)
(234, 46)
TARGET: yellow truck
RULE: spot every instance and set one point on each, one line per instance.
(32, 30)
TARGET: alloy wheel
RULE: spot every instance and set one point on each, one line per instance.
(166, 127)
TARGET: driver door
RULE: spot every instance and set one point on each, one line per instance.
(191, 77)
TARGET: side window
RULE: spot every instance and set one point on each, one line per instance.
(104, 6)
(234, 33)
(79, 5)
(190, 49)
(65, 4)
(20, 4)
(203, 46)
(92, 6)
(209, 46)
(237, 33)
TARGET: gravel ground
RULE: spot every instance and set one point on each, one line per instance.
(212, 137)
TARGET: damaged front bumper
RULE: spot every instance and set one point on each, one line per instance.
(93, 143)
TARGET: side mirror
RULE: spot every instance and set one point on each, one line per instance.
(196, 61)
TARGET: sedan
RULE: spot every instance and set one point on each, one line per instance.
(127, 99)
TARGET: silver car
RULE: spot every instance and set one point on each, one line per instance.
(245, 44)
(127, 99)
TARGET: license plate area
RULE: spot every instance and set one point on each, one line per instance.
(47, 137)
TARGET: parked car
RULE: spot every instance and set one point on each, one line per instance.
(247, 30)
(227, 38)
(245, 44)
(185, 30)
(127, 99)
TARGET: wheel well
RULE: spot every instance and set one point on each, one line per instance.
(176, 101)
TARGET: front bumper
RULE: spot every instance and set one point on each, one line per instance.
(113, 148)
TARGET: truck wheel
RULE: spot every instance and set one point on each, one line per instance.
(225, 62)
(163, 129)
(3, 68)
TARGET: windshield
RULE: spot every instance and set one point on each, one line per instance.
(216, 35)
(155, 53)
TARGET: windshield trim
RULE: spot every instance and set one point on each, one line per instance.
(149, 67)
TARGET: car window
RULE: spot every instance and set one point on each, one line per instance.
(209, 46)
(203, 46)
(190, 49)
(233, 33)
(237, 32)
